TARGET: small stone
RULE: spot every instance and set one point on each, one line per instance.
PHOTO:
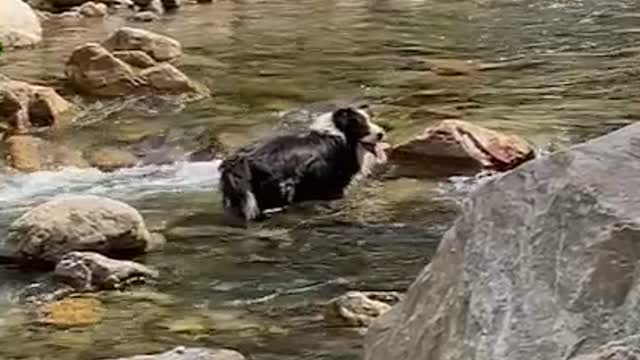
(92, 9)
(145, 16)
(184, 353)
(358, 309)
(111, 158)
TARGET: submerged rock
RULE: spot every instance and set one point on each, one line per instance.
(77, 223)
(454, 147)
(24, 107)
(29, 153)
(183, 353)
(542, 264)
(90, 271)
(166, 79)
(111, 158)
(159, 47)
(71, 312)
(357, 308)
(19, 25)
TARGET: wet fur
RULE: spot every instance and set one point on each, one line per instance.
(316, 165)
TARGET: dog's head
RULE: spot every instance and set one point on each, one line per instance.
(354, 125)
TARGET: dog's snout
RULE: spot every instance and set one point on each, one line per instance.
(380, 135)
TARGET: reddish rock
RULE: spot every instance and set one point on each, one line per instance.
(454, 147)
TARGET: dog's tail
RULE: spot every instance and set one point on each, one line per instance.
(235, 185)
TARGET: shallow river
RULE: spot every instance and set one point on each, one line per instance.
(556, 72)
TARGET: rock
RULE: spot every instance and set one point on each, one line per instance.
(61, 4)
(71, 312)
(24, 106)
(159, 47)
(182, 353)
(29, 153)
(91, 9)
(166, 79)
(77, 223)
(454, 147)
(92, 70)
(90, 271)
(136, 58)
(626, 349)
(542, 264)
(110, 159)
(357, 308)
(145, 16)
(19, 25)
(171, 4)
(142, 3)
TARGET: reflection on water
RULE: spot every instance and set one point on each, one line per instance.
(554, 71)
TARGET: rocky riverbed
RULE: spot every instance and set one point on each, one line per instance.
(114, 116)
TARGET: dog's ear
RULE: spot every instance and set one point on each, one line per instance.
(342, 117)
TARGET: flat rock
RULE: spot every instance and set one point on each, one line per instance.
(455, 147)
(183, 353)
(71, 312)
(19, 25)
(542, 264)
(90, 271)
(77, 223)
(159, 47)
(29, 153)
(111, 158)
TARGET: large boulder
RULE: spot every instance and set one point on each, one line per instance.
(542, 264)
(182, 353)
(78, 223)
(19, 25)
(159, 47)
(90, 271)
(94, 71)
(29, 153)
(454, 147)
(24, 106)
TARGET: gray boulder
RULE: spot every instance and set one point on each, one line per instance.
(19, 25)
(542, 264)
(182, 353)
(78, 223)
(90, 271)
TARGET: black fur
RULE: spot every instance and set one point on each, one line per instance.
(316, 165)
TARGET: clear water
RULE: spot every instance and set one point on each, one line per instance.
(556, 72)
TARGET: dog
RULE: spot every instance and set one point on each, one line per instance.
(317, 164)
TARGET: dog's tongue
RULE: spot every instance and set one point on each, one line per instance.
(381, 155)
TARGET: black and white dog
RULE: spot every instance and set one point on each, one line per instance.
(315, 165)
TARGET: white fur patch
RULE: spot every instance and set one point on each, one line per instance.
(250, 210)
(324, 124)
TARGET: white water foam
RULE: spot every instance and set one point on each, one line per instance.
(19, 191)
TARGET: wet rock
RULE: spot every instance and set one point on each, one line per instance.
(24, 106)
(159, 47)
(92, 9)
(111, 158)
(357, 308)
(136, 58)
(29, 153)
(77, 223)
(145, 16)
(182, 353)
(166, 79)
(90, 271)
(71, 312)
(19, 25)
(92, 70)
(454, 147)
(542, 264)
